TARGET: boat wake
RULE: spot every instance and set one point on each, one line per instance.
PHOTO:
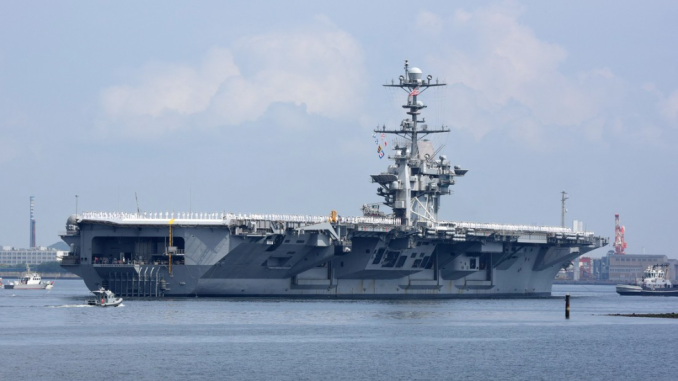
(77, 306)
(70, 306)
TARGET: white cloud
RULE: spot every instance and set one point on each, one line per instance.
(429, 23)
(669, 107)
(318, 65)
(506, 65)
(461, 16)
(19, 135)
(172, 87)
(9, 149)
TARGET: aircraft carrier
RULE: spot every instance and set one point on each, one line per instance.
(407, 253)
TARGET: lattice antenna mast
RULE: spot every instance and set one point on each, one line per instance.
(412, 187)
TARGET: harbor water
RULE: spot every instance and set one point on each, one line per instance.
(53, 335)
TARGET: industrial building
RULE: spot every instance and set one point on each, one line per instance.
(616, 268)
(626, 268)
(13, 256)
(34, 255)
(619, 266)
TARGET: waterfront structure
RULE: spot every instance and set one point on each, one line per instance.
(629, 267)
(408, 253)
(13, 256)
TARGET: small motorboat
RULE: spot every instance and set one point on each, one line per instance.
(29, 281)
(654, 283)
(104, 298)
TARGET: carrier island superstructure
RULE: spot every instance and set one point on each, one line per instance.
(408, 253)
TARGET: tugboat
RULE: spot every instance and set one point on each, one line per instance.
(30, 281)
(653, 283)
(104, 298)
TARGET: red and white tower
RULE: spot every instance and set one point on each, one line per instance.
(619, 243)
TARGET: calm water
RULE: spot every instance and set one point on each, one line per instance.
(51, 335)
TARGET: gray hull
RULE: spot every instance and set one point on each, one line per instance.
(224, 259)
(631, 290)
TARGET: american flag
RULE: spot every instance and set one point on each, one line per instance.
(414, 93)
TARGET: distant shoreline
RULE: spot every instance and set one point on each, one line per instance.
(670, 315)
(46, 276)
(588, 282)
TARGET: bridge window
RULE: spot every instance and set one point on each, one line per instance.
(430, 262)
(424, 262)
(391, 257)
(401, 261)
(377, 258)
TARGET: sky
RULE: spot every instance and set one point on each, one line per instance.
(269, 108)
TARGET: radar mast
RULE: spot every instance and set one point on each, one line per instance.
(413, 186)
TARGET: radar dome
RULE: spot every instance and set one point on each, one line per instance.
(72, 222)
(414, 74)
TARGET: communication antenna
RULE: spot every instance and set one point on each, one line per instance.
(137, 198)
(414, 165)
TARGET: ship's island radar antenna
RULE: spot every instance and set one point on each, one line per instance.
(413, 186)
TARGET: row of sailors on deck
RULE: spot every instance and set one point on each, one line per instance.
(154, 215)
(239, 216)
(318, 219)
(107, 261)
(526, 228)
